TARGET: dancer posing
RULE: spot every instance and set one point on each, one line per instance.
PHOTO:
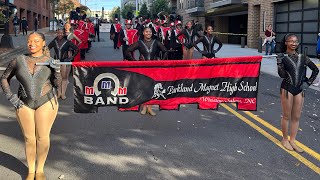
(36, 103)
(208, 41)
(189, 35)
(291, 67)
(62, 47)
(148, 49)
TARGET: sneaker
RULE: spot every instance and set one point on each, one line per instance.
(316, 84)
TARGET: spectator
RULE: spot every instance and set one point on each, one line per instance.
(16, 25)
(97, 24)
(36, 22)
(269, 40)
(24, 25)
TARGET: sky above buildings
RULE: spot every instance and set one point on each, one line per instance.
(98, 4)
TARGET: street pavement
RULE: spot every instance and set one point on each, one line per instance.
(185, 144)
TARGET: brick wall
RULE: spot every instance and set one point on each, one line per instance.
(256, 11)
(31, 9)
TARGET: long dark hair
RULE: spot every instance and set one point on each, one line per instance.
(283, 46)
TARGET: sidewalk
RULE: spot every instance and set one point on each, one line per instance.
(21, 40)
(20, 44)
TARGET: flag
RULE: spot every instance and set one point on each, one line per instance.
(129, 84)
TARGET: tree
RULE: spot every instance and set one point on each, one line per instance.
(2, 14)
(127, 8)
(160, 5)
(144, 11)
(64, 7)
(54, 3)
(114, 11)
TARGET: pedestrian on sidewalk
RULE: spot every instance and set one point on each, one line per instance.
(24, 26)
(291, 67)
(36, 22)
(148, 49)
(269, 40)
(36, 103)
(97, 24)
(16, 24)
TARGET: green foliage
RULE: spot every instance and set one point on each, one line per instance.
(64, 7)
(160, 5)
(144, 11)
(114, 11)
(127, 8)
(3, 16)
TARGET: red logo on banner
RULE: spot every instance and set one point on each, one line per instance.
(88, 90)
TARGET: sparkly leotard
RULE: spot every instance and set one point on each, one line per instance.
(148, 50)
(37, 83)
(292, 70)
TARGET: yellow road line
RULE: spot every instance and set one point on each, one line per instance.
(277, 131)
(318, 65)
(273, 139)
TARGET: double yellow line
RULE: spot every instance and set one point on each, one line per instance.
(275, 140)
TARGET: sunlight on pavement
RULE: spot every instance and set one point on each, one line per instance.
(132, 142)
(121, 163)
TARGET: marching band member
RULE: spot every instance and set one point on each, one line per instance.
(208, 41)
(137, 23)
(128, 36)
(163, 31)
(189, 35)
(83, 26)
(114, 32)
(62, 47)
(173, 44)
(148, 49)
(91, 33)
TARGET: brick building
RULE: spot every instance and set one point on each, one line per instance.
(32, 9)
(251, 17)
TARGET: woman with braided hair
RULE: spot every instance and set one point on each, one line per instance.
(292, 67)
(36, 103)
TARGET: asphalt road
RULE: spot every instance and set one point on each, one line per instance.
(185, 144)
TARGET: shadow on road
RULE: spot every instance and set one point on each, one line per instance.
(12, 163)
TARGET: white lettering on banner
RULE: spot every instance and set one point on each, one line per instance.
(244, 86)
(179, 89)
(106, 101)
(229, 100)
(226, 86)
(207, 88)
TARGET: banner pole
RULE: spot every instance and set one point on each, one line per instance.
(269, 56)
(46, 63)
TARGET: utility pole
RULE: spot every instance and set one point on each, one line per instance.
(6, 39)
